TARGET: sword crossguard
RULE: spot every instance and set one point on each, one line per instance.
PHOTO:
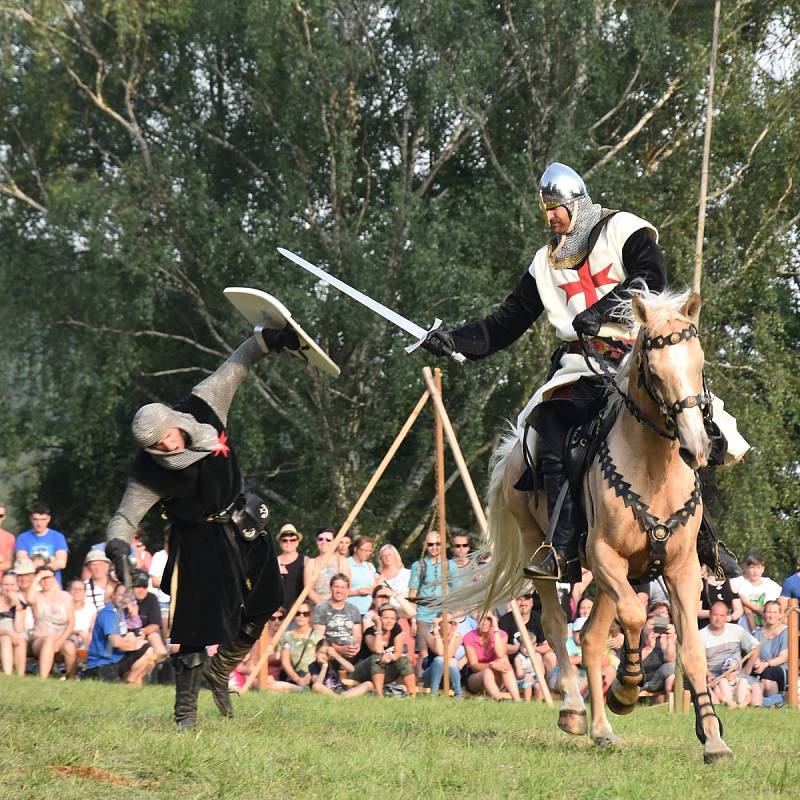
(437, 323)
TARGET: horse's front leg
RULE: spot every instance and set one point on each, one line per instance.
(572, 714)
(594, 640)
(683, 581)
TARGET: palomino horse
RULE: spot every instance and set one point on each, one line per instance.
(643, 506)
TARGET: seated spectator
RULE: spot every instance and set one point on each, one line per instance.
(716, 591)
(298, 648)
(363, 576)
(318, 577)
(754, 590)
(53, 622)
(13, 641)
(542, 650)
(7, 542)
(487, 659)
(729, 648)
(526, 675)
(84, 615)
(115, 653)
(99, 565)
(387, 660)
(658, 643)
(324, 671)
(433, 668)
(337, 620)
(391, 571)
(291, 563)
(149, 615)
(273, 682)
(791, 586)
(770, 664)
(43, 540)
(24, 570)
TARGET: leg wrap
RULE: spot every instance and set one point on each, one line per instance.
(629, 672)
(703, 707)
(217, 671)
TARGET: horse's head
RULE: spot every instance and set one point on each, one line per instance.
(670, 368)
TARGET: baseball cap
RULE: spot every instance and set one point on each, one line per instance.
(140, 580)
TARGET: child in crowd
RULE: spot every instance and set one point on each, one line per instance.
(526, 678)
(325, 673)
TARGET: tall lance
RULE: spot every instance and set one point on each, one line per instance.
(373, 305)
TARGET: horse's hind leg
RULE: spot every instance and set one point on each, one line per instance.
(594, 637)
(683, 583)
(572, 714)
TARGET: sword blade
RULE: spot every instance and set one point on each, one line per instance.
(373, 305)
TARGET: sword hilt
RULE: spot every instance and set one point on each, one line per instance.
(454, 354)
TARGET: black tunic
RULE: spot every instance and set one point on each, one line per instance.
(221, 580)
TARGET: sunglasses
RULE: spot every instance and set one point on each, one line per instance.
(432, 544)
(460, 545)
(276, 619)
(303, 614)
(288, 538)
(324, 538)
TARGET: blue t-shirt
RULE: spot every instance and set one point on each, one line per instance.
(109, 622)
(46, 545)
(791, 586)
(429, 584)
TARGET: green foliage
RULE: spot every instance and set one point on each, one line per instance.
(154, 153)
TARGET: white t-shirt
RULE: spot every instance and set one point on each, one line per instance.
(157, 566)
(759, 594)
(726, 649)
(84, 617)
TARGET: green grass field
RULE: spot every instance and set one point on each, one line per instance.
(91, 741)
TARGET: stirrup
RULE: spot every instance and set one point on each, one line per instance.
(533, 569)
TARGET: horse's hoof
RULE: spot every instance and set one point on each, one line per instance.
(616, 705)
(608, 741)
(572, 721)
(718, 755)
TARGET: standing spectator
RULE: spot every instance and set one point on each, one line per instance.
(143, 557)
(40, 538)
(53, 622)
(13, 642)
(728, 648)
(85, 614)
(157, 565)
(7, 542)
(319, 578)
(343, 548)
(773, 655)
(363, 576)
(433, 672)
(713, 591)
(325, 677)
(487, 659)
(754, 590)
(791, 586)
(460, 545)
(114, 653)
(99, 565)
(291, 563)
(387, 660)
(392, 572)
(339, 621)
(298, 647)
(426, 582)
(149, 615)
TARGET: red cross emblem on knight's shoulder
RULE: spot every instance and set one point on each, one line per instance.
(221, 448)
(587, 283)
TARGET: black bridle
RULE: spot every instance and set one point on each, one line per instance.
(669, 411)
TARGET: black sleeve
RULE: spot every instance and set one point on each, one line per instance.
(642, 259)
(150, 611)
(483, 337)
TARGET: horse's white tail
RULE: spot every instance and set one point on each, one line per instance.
(486, 585)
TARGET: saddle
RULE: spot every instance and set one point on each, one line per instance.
(582, 443)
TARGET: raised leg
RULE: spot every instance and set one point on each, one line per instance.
(683, 579)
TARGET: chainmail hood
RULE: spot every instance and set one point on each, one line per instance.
(569, 251)
(152, 421)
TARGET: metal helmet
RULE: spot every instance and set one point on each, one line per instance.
(560, 185)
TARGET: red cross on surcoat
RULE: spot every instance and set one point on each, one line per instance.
(587, 283)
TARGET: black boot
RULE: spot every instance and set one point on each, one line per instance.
(218, 669)
(712, 551)
(188, 675)
(560, 560)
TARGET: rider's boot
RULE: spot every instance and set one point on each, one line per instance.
(560, 561)
(714, 553)
(188, 677)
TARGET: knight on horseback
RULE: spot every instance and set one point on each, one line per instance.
(593, 257)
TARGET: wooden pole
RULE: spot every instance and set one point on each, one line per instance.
(346, 525)
(441, 515)
(477, 509)
(793, 614)
(701, 211)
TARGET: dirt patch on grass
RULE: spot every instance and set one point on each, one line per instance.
(92, 774)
